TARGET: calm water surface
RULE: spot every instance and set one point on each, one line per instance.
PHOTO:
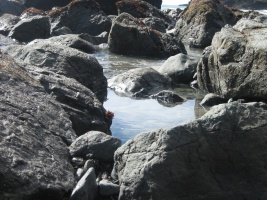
(135, 116)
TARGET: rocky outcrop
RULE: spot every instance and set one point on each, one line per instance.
(80, 17)
(180, 68)
(219, 156)
(247, 4)
(7, 22)
(63, 61)
(235, 64)
(13, 7)
(201, 20)
(130, 35)
(139, 83)
(142, 9)
(27, 30)
(35, 133)
(95, 145)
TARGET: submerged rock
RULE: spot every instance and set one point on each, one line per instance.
(201, 20)
(139, 83)
(168, 98)
(35, 133)
(130, 35)
(235, 65)
(219, 156)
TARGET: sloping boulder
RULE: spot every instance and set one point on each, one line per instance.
(63, 61)
(219, 156)
(130, 35)
(80, 16)
(235, 65)
(201, 20)
(29, 29)
(35, 133)
(139, 83)
(180, 68)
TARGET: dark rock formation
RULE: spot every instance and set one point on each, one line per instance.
(139, 83)
(235, 64)
(130, 35)
(35, 132)
(219, 156)
(247, 4)
(81, 16)
(201, 20)
(13, 7)
(96, 40)
(180, 68)
(95, 145)
(27, 30)
(45, 4)
(64, 61)
(7, 22)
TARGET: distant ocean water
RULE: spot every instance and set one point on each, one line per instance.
(164, 7)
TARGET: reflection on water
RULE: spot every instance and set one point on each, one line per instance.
(135, 116)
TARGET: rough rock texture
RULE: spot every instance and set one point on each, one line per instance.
(201, 20)
(35, 132)
(219, 156)
(235, 64)
(247, 4)
(27, 30)
(155, 23)
(70, 40)
(7, 22)
(96, 145)
(130, 35)
(180, 68)
(64, 61)
(212, 100)
(45, 4)
(139, 83)
(86, 188)
(13, 7)
(142, 9)
(81, 16)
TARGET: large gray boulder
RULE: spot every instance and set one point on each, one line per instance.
(82, 16)
(70, 40)
(201, 20)
(131, 36)
(96, 145)
(64, 61)
(35, 133)
(219, 156)
(235, 64)
(139, 83)
(180, 68)
(29, 29)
